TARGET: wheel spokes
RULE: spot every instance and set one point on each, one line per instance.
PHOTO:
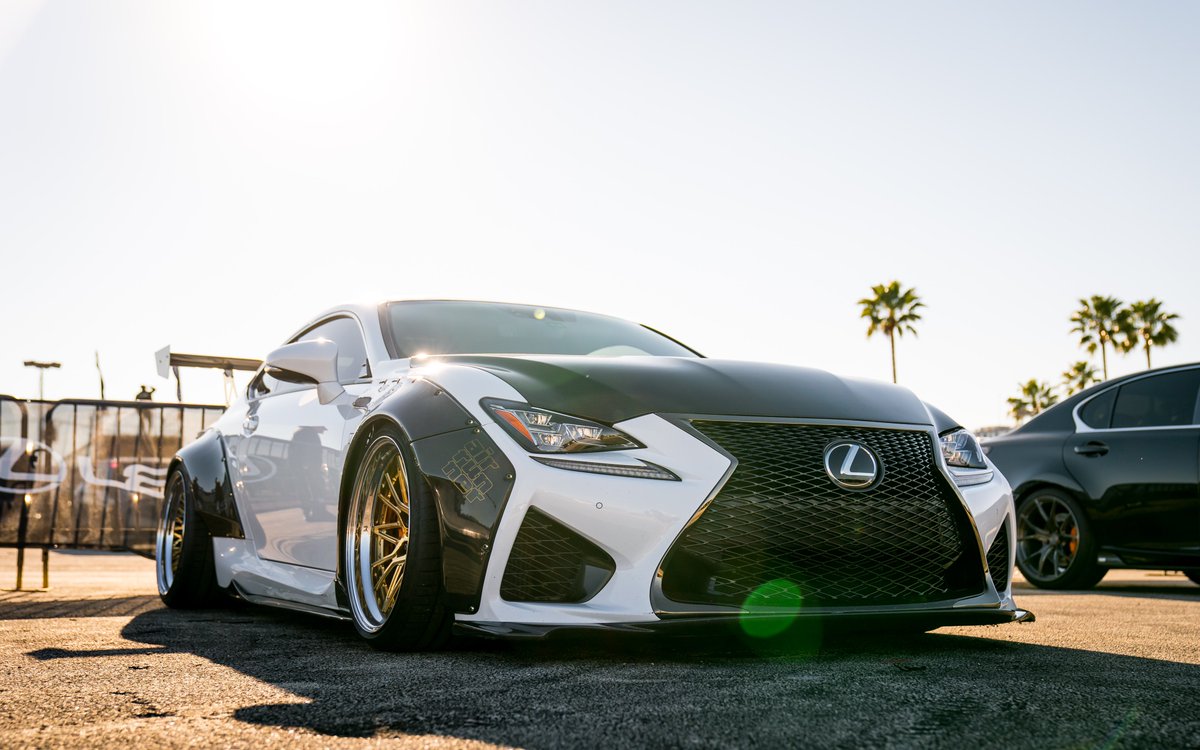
(386, 524)
(177, 521)
(1048, 536)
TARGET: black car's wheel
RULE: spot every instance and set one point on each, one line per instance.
(1055, 545)
(391, 558)
(183, 551)
(1193, 576)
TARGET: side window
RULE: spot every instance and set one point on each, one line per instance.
(1161, 401)
(1097, 413)
(352, 352)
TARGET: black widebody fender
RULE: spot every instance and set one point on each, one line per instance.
(206, 471)
(469, 478)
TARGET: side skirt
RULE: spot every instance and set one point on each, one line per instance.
(241, 571)
(268, 601)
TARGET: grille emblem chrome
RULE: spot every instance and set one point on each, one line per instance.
(852, 466)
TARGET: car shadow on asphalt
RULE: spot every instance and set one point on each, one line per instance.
(602, 689)
(39, 605)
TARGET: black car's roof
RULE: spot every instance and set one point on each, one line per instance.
(1058, 417)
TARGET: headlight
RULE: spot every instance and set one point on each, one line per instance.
(965, 458)
(541, 431)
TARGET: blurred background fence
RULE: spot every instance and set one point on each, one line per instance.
(88, 474)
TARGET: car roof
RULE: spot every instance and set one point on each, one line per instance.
(1059, 416)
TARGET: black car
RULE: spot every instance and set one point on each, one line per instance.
(1109, 478)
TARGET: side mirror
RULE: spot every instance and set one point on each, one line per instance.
(313, 362)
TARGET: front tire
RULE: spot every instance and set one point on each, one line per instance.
(183, 557)
(1056, 548)
(391, 551)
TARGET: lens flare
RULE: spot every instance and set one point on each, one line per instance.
(771, 608)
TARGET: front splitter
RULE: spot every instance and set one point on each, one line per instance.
(716, 624)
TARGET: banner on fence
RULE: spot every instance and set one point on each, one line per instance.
(89, 474)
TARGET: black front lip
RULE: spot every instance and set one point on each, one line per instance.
(715, 624)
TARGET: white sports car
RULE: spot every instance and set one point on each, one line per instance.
(513, 470)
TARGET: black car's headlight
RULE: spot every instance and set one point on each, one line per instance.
(965, 458)
(542, 431)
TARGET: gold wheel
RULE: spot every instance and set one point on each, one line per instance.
(377, 534)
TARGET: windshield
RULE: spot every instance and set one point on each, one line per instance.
(427, 328)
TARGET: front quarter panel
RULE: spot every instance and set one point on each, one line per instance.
(1029, 460)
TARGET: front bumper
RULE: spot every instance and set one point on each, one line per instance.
(635, 523)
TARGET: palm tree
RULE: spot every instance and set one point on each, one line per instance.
(1079, 376)
(892, 310)
(1149, 325)
(1034, 397)
(1099, 322)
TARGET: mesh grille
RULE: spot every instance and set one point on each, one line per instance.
(551, 563)
(779, 517)
(997, 558)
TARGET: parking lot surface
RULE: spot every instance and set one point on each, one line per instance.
(97, 660)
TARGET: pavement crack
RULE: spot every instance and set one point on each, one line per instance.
(144, 707)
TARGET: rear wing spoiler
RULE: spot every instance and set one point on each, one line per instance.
(169, 362)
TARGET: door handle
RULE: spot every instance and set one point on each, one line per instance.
(1093, 448)
(250, 424)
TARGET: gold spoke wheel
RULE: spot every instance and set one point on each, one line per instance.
(377, 534)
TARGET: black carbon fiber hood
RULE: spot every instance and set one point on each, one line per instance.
(613, 389)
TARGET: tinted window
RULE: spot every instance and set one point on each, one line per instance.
(1097, 412)
(352, 352)
(495, 328)
(1160, 401)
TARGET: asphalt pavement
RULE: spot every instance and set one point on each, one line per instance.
(96, 660)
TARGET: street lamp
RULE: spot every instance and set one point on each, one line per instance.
(42, 367)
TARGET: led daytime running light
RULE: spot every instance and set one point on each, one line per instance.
(646, 470)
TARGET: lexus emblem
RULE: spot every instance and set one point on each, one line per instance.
(852, 466)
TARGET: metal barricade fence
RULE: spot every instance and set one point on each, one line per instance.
(89, 474)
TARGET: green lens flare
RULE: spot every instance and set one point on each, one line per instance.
(771, 608)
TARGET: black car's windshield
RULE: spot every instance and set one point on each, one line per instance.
(443, 327)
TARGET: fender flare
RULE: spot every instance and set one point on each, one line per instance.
(468, 476)
(206, 471)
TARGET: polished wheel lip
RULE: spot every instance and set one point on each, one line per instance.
(171, 530)
(377, 534)
(1047, 536)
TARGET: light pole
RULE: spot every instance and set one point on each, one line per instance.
(41, 368)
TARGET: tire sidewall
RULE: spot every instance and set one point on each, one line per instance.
(193, 583)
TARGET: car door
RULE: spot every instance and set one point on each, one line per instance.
(1136, 452)
(289, 453)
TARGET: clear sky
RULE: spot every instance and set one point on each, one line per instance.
(210, 175)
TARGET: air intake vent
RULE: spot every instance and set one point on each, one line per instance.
(551, 563)
(997, 558)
